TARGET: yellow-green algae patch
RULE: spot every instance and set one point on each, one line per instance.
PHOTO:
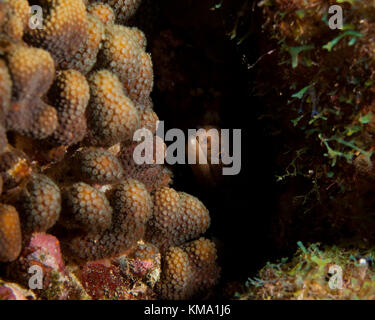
(315, 274)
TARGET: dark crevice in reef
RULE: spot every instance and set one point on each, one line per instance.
(202, 78)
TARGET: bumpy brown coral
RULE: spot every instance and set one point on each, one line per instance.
(45, 121)
(32, 71)
(125, 58)
(39, 204)
(10, 233)
(64, 28)
(137, 35)
(148, 119)
(132, 209)
(124, 9)
(112, 116)
(4, 9)
(178, 217)
(70, 93)
(5, 88)
(176, 281)
(5, 96)
(203, 255)
(85, 58)
(103, 12)
(189, 270)
(17, 18)
(86, 208)
(153, 175)
(97, 166)
(20, 8)
(201, 252)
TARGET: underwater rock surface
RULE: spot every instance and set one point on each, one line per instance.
(329, 273)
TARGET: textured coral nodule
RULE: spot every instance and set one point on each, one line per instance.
(132, 208)
(154, 175)
(178, 217)
(70, 94)
(102, 11)
(32, 71)
(10, 233)
(189, 270)
(64, 28)
(97, 166)
(16, 18)
(87, 208)
(124, 9)
(112, 116)
(85, 58)
(136, 74)
(148, 119)
(39, 204)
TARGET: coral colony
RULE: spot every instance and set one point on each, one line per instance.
(75, 207)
